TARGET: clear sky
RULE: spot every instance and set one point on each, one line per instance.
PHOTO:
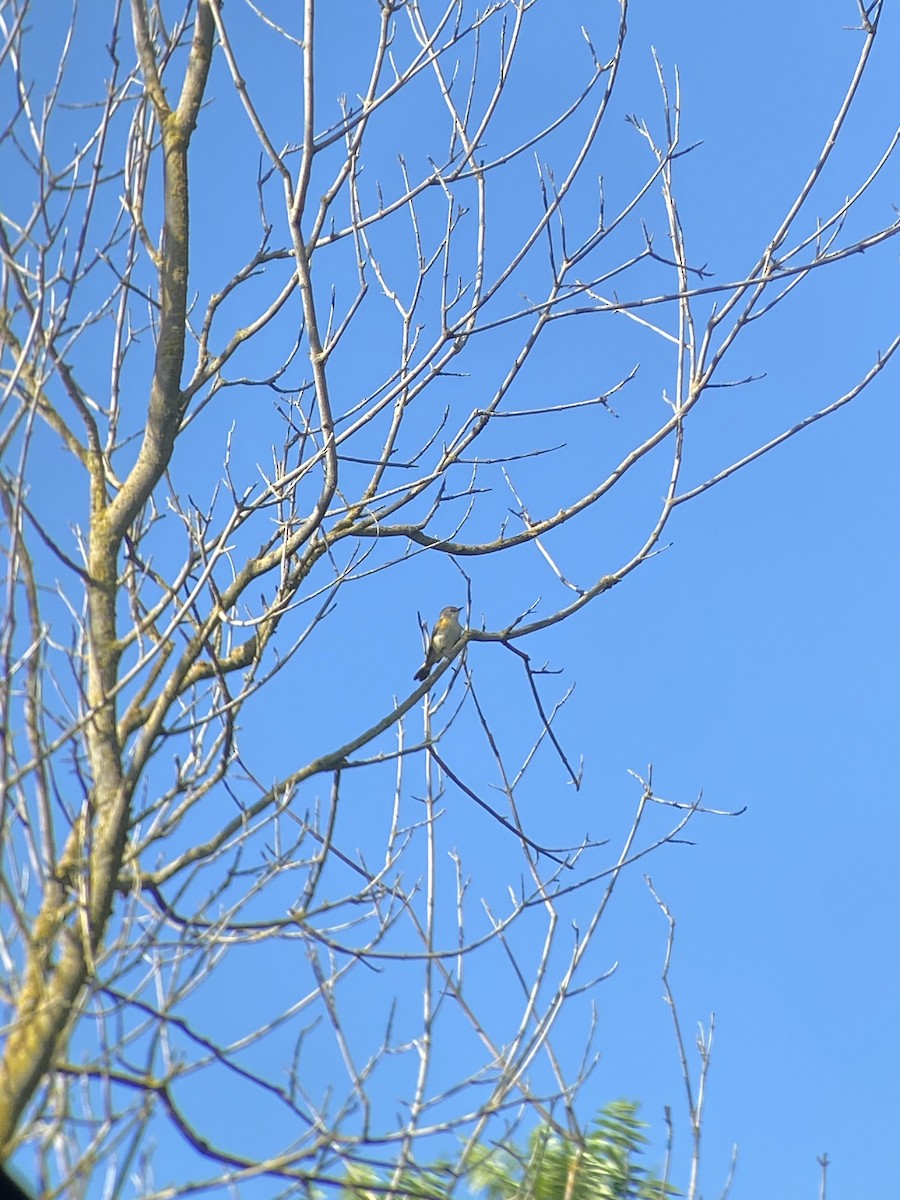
(755, 660)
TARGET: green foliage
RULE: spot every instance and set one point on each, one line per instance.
(427, 1183)
(601, 1167)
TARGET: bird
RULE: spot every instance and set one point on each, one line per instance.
(446, 633)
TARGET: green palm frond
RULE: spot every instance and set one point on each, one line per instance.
(601, 1166)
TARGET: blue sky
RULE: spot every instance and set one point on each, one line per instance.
(755, 659)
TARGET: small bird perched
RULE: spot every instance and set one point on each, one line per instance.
(444, 637)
